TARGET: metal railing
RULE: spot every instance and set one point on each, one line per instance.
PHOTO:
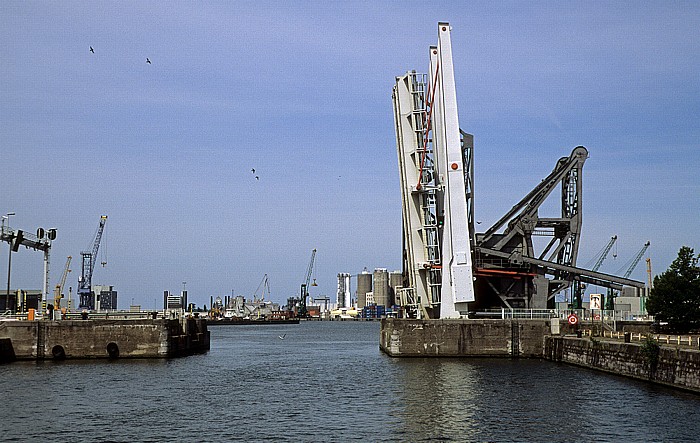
(505, 313)
(662, 339)
(107, 315)
(584, 315)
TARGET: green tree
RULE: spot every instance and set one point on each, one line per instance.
(676, 295)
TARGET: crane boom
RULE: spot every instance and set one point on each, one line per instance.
(89, 259)
(635, 262)
(580, 287)
(58, 290)
(265, 285)
(612, 294)
(304, 292)
(604, 255)
(310, 269)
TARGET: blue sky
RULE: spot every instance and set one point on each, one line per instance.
(302, 93)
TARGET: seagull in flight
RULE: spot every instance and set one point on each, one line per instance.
(92, 50)
(281, 337)
(257, 178)
(148, 60)
(252, 170)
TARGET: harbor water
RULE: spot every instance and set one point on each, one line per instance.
(328, 381)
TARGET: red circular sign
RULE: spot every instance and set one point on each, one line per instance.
(573, 319)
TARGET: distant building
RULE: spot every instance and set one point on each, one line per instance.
(632, 301)
(380, 286)
(344, 290)
(364, 285)
(105, 297)
(174, 301)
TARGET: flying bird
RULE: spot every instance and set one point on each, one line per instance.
(257, 178)
(252, 170)
(148, 60)
(92, 50)
(281, 337)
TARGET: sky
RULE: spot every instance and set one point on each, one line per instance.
(301, 92)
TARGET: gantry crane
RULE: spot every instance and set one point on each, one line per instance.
(610, 302)
(304, 292)
(58, 290)
(89, 259)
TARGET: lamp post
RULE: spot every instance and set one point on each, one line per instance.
(9, 260)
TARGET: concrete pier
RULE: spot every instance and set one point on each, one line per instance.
(87, 339)
(671, 366)
(464, 338)
(549, 339)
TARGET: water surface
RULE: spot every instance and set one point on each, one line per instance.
(328, 381)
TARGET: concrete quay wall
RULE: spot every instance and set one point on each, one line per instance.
(671, 366)
(463, 338)
(71, 339)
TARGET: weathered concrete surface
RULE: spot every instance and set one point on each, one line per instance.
(159, 338)
(677, 367)
(670, 366)
(463, 338)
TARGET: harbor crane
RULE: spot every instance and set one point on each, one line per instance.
(58, 290)
(89, 258)
(610, 302)
(304, 291)
(265, 285)
(578, 289)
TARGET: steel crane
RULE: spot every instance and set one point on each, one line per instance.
(636, 260)
(58, 290)
(603, 256)
(304, 292)
(265, 285)
(89, 259)
(612, 293)
(579, 288)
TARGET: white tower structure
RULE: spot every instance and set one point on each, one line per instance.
(435, 188)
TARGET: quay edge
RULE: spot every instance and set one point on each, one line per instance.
(98, 338)
(672, 366)
(463, 338)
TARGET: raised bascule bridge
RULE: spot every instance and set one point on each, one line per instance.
(524, 260)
